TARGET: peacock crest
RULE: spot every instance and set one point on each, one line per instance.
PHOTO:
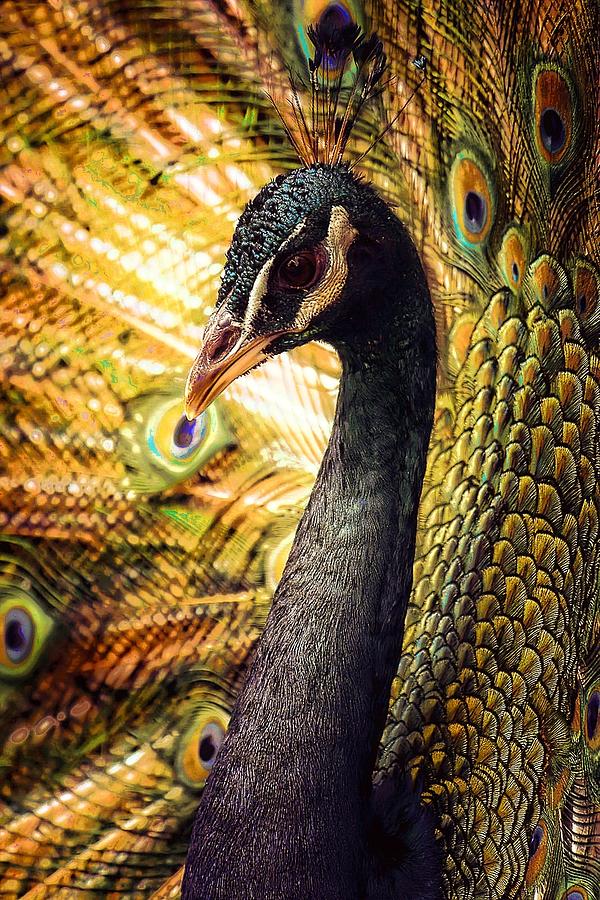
(320, 134)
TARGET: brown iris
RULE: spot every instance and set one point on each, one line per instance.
(300, 270)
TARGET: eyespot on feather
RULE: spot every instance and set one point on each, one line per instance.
(161, 447)
(337, 15)
(470, 199)
(513, 258)
(538, 849)
(177, 444)
(575, 892)
(553, 114)
(586, 289)
(459, 342)
(591, 719)
(24, 630)
(546, 281)
(199, 745)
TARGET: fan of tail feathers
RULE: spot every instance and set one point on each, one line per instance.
(138, 552)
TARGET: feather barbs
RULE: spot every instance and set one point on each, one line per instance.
(346, 72)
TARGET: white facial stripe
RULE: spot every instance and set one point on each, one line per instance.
(259, 288)
(340, 236)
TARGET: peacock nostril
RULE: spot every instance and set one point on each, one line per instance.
(219, 344)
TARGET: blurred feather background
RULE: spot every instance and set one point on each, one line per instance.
(138, 554)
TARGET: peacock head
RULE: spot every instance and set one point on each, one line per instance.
(317, 255)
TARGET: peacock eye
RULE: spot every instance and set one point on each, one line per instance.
(301, 270)
(592, 719)
(24, 629)
(18, 634)
(586, 285)
(513, 257)
(538, 846)
(536, 839)
(471, 199)
(200, 744)
(553, 114)
(552, 130)
(187, 436)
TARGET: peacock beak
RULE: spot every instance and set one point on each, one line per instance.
(227, 352)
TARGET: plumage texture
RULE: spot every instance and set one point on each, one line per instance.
(319, 682)
(132, 138)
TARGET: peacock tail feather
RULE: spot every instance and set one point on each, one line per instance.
(138, 553)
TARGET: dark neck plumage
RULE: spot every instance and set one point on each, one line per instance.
(284, 811)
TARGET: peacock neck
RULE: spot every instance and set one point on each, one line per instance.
(358, 534)
(301, 745)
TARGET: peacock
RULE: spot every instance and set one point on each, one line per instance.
(334, 264)
(140, 552)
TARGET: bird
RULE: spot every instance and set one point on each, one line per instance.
(139, 554)
(319, 255)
